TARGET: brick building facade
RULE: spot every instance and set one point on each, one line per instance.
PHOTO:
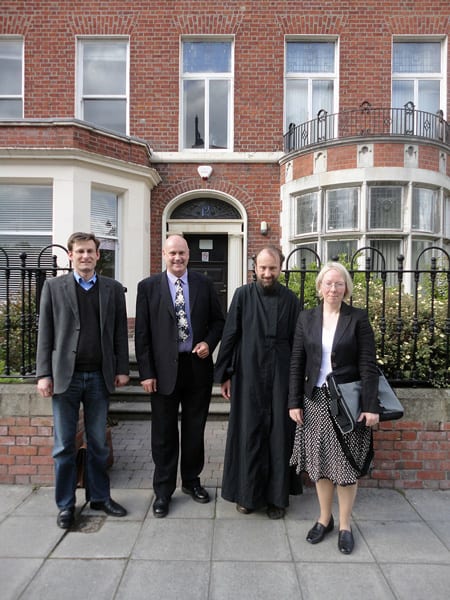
(324, 127)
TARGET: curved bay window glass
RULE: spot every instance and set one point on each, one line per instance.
(385, 207)
(205, 208)
(425, 210)
(342, 209)
(341, 249)
(307, 213)
(104, 216)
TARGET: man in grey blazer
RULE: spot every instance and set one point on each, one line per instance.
(176, 367)
(82, 354)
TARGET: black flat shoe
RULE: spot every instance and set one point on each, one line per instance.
(198, 493)
(114, 509)
(66, 518)
(319, 531)
(160, 508)
(346, 543)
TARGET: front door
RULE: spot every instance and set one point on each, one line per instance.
(208, 254)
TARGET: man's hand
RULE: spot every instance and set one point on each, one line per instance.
(226, 389)
(201, 350)
(149, 385)
(120, 380)
(45, 387)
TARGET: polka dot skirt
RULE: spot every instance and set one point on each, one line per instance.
(317, 449)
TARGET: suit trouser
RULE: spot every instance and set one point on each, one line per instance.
(194, 397)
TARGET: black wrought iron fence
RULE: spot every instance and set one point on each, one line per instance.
(367, 121)
(21, 281)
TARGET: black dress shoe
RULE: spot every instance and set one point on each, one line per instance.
(346, 543)
(275, 512)
(110, 508)
(160, 508)
(243, 510)
(319, 531)
(66, 518)
(198, 493)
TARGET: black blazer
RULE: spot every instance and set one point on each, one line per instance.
(156, 334)
(353, 355)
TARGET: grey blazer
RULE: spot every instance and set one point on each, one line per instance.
(59, 328)
(353, 355)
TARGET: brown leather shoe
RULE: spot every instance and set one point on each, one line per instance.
(243, 510)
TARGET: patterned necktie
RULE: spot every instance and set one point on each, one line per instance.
(180, 312)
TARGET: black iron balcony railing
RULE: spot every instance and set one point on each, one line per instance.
(365, 122)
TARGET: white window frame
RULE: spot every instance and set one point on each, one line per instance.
(12, 38)
(207, 77)
(310, 77)
(80, 96)
(356, 227)
(418, 76)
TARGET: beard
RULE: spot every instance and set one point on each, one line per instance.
(267, 286)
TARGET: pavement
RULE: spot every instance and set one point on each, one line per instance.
(210, 551)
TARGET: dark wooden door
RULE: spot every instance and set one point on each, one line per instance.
(209, 255)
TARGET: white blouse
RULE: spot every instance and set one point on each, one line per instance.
(327, 345)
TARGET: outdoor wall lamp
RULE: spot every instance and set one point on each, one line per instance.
(264, 228)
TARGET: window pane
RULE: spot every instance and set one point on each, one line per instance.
(342, 209)
(429, 96)
(339, 248)
(307, 213)
(417, 57)
(206, 57)
(10, 67)
(110, 114)
(296, 101)
(218, 113)
(425, 210)
(104, 67)
(194, 114)
(25, 208)
(322, 98)
(10, 109)
(385, 207)
(390, 250)
(104, 215)
(402, 93)
(310, 57)
(447, 217)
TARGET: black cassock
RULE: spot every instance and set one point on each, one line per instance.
(255, 352)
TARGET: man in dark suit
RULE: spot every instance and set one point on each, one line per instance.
(179, 322)
(82, 354)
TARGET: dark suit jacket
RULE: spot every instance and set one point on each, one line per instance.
(59, 328)
(156, 334)
(353, 355)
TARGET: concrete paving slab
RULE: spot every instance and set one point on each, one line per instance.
(327, 550)
(255, 540)
(399, 542)
(16, 574)
(168, 580)
(416, 582)
(253, 581)
(115, 539)
(12, 496)
(75, 579)
(28, 537)
(333, 581)
(442, 531)
(175, 539)
(385, 505)
(430, 504)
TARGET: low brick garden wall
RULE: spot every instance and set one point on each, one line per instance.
(411, 453)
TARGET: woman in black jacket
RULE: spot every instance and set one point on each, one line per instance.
(332, 337)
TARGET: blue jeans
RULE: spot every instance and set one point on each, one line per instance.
(89, 389)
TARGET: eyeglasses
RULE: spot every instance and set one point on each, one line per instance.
(339, 285)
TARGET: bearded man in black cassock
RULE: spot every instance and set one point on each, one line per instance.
(253, 369)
